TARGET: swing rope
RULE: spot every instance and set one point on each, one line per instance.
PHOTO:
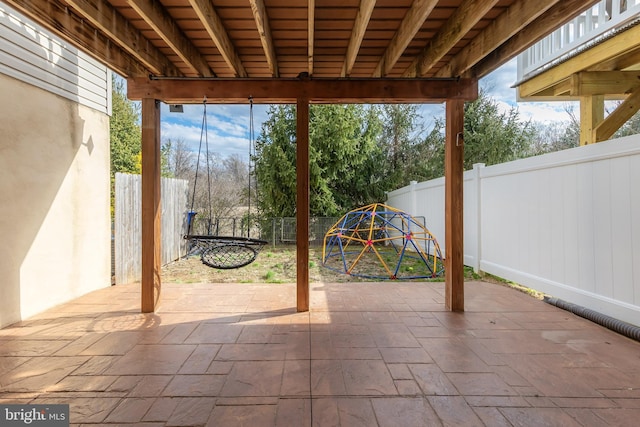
(203, 136)
(251, 150)
(223, 252)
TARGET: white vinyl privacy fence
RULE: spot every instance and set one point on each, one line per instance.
(128, 224)
(565, 223)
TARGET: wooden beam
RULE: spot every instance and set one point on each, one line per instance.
(237, 91)
(411, 24)
(610, 84)
(151, 208)
(457, 26)
(506, 25)
(614, 121)
(213, 24)
(163, 24)
(264, 31)
(357, 34)
(311, 25)
(556, 16)
(302, 205)
(66, 24)
(628, 59)
(591, 114)
(589, 83)
(107, 19)
(453, 188)
(563, 88)
(601, 52)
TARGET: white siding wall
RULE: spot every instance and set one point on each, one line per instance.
(566, 223)
(33, 55)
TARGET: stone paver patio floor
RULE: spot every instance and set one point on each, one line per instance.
(367, 354)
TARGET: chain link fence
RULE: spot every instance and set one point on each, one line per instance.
(276, 231)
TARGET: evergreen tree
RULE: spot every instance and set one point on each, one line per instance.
(398, 138)
(124, 131)
(343, 160)
(490, 137)
(275, 163)
(124, 135)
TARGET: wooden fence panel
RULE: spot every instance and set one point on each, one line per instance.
(127, 227)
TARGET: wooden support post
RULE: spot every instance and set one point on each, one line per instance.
(151, 208)
(591, 114)
(453, 186)
(302, 205)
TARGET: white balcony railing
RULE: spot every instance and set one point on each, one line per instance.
(597, 23)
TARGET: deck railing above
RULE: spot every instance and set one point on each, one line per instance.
(597, 23)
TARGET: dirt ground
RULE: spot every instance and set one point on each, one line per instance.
(273, 265)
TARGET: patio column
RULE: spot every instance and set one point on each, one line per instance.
(591, 115)
(151, 208)
(453, 186)
(302, 205)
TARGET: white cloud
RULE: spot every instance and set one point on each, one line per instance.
(547, 112)
(185, 132)
(227, 125)
(498, 85)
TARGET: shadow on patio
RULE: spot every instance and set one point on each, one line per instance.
(367, 354)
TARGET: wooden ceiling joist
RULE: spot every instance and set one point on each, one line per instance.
(359, 28)
(269, 38)
(213, 24)
(311, 25)
(237, 91)
(412, 22)
(264, 31)
(72, 28)
(157, 17)
(108, 20)
(460, 23)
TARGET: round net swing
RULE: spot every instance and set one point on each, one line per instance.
(223, 252)
(381, 242)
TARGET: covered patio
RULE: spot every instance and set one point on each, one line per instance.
(302, 52)
(312, 354)
(366, 354)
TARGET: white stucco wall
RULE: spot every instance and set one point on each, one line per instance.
(54, 188)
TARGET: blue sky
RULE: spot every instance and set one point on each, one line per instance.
(228, 125)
